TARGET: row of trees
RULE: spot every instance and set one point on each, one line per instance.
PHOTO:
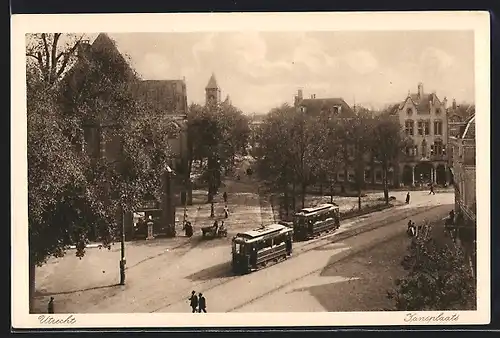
(74, 195)
(216, 135)
(295, 150)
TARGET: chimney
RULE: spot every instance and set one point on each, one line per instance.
(445, 102)
(454, 104)
(299, 95)
(420, 90)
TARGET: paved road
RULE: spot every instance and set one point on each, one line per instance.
(161, 282)
(238, 293)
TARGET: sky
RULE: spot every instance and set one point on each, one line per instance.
(262, 70)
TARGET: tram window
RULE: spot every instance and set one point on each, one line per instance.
(237, 248)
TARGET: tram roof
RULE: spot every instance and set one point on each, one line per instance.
(317, 208)
(259, 232)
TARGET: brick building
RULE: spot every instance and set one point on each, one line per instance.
(424, 120)
(168, 96)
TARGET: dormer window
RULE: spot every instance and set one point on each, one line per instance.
(409, 111)
(303, 109)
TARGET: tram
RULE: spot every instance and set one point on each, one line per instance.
(312, 222)
(254, 249)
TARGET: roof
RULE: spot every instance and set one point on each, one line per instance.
(422, 103)
(316, 106)
(160, 94)
(470, 128)
(269, 229)
(212, 83)
(316, 208)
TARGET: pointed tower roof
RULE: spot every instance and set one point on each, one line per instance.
(212, 83)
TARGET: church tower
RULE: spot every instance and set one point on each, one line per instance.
(212, 92)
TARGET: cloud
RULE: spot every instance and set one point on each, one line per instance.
(361, 61)
(161, 68)
(436, 60)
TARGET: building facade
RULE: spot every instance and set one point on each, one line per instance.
(464, 173)
(424, 120)
(168, 97)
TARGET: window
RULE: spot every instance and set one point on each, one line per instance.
(438, 111)
(427, 127)
(424, 148)
(420, 128)
(438, 127)
(409, 111)
(341, 177)
(378, 176)
(409, 127)
(351, 177)
(438, 148)
(336, 110)
(303, 109)
(368, 174)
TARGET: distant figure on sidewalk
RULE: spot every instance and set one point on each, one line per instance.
(202, 304)
(225, 197)
(226, 212)
(408, 198)
(50, 306)
(432, 190)
(193, 301)
(212, 209)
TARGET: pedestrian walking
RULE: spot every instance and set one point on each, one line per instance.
(225, 197)
(212, 209)
(226, 211)
(202, 304)
(432, 190)
(193, 300)
(50, 306)
(408, 198)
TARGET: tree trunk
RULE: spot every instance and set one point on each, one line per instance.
(32, 285)
(331, 192)
(386, 189)
(293, 198)
(303, 193)
(359, 197)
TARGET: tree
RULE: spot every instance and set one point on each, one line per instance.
(438, 279)
(273, 153)
(53, 54)
(356, 136)
(218, 134)
(388, 143)
(330, 154)
(74, 195)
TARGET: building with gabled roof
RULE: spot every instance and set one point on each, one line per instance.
(164, 96)
(423, 118)
(334, 106)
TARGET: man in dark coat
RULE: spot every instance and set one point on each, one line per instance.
(225, 197)
(202, 304)
(50, 306)
(193, 301)
(408, 198)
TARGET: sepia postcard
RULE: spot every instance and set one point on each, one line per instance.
(250, 170)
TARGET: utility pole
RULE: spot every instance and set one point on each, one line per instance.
(122, 259)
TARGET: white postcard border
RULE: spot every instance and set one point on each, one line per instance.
(361, 21)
